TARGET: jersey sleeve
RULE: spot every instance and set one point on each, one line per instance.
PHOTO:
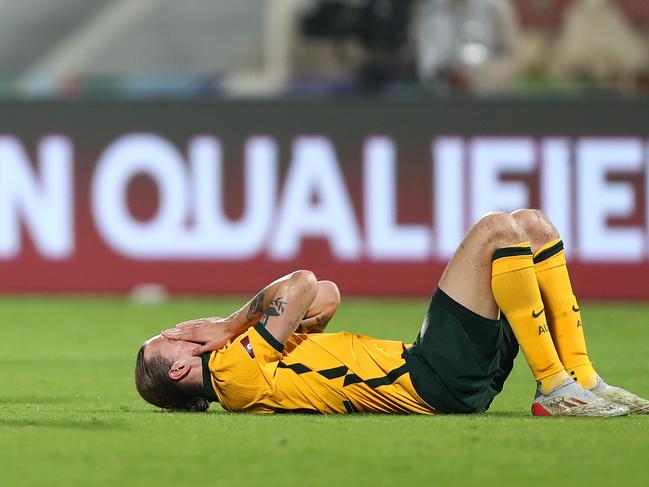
(263, 345)
(245, 370)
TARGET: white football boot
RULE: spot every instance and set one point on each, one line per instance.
(617, 395)
(570, 399)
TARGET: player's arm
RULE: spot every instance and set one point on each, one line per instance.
(283, 304)
(322, 309)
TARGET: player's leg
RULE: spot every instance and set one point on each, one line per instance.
(493, 268)
(562, 309)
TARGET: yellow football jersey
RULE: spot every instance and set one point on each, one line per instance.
(321, 372)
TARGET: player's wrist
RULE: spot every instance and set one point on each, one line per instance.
(234, 324)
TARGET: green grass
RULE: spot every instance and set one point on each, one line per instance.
(69, 413)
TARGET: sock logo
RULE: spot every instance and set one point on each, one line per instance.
(543, 329)
(536, 315)
(575, 308)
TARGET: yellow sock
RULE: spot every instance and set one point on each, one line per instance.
(562, 311)
(517, 294)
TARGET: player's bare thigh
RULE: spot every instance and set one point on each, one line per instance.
(467, 277)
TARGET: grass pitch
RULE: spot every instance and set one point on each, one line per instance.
(70, 415)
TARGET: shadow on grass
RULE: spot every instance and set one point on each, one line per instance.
(84, 424)
(541, 419)
(365, 416)
(510, 414)
(347, 417)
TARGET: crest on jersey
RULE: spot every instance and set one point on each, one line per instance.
(245, 343)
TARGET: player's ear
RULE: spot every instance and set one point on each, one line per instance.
(179, 369)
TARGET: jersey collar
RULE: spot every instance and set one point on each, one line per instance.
(208, 389)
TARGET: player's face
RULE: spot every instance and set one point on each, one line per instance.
(171, 349)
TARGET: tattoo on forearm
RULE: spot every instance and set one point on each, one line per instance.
(316, 324)
(322, 321)
(256, 306)
(276, 308)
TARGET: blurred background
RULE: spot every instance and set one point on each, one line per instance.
(209, 145)
(68, 48)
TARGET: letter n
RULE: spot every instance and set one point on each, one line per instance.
(44, 205)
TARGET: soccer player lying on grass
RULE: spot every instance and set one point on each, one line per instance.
(507, 285)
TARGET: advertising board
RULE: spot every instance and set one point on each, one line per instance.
(222, 197)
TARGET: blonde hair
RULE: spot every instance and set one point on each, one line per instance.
(156, 387)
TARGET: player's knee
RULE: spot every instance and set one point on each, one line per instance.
(331, 293)
(528, 217)
(500, 229)
(305, 279)
(536, 225)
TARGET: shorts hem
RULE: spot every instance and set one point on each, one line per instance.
(460, 311)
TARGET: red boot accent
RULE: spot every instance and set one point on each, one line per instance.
(538, 410)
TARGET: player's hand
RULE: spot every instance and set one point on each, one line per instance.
(210, 333)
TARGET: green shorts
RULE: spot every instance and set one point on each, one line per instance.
(460, 360)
